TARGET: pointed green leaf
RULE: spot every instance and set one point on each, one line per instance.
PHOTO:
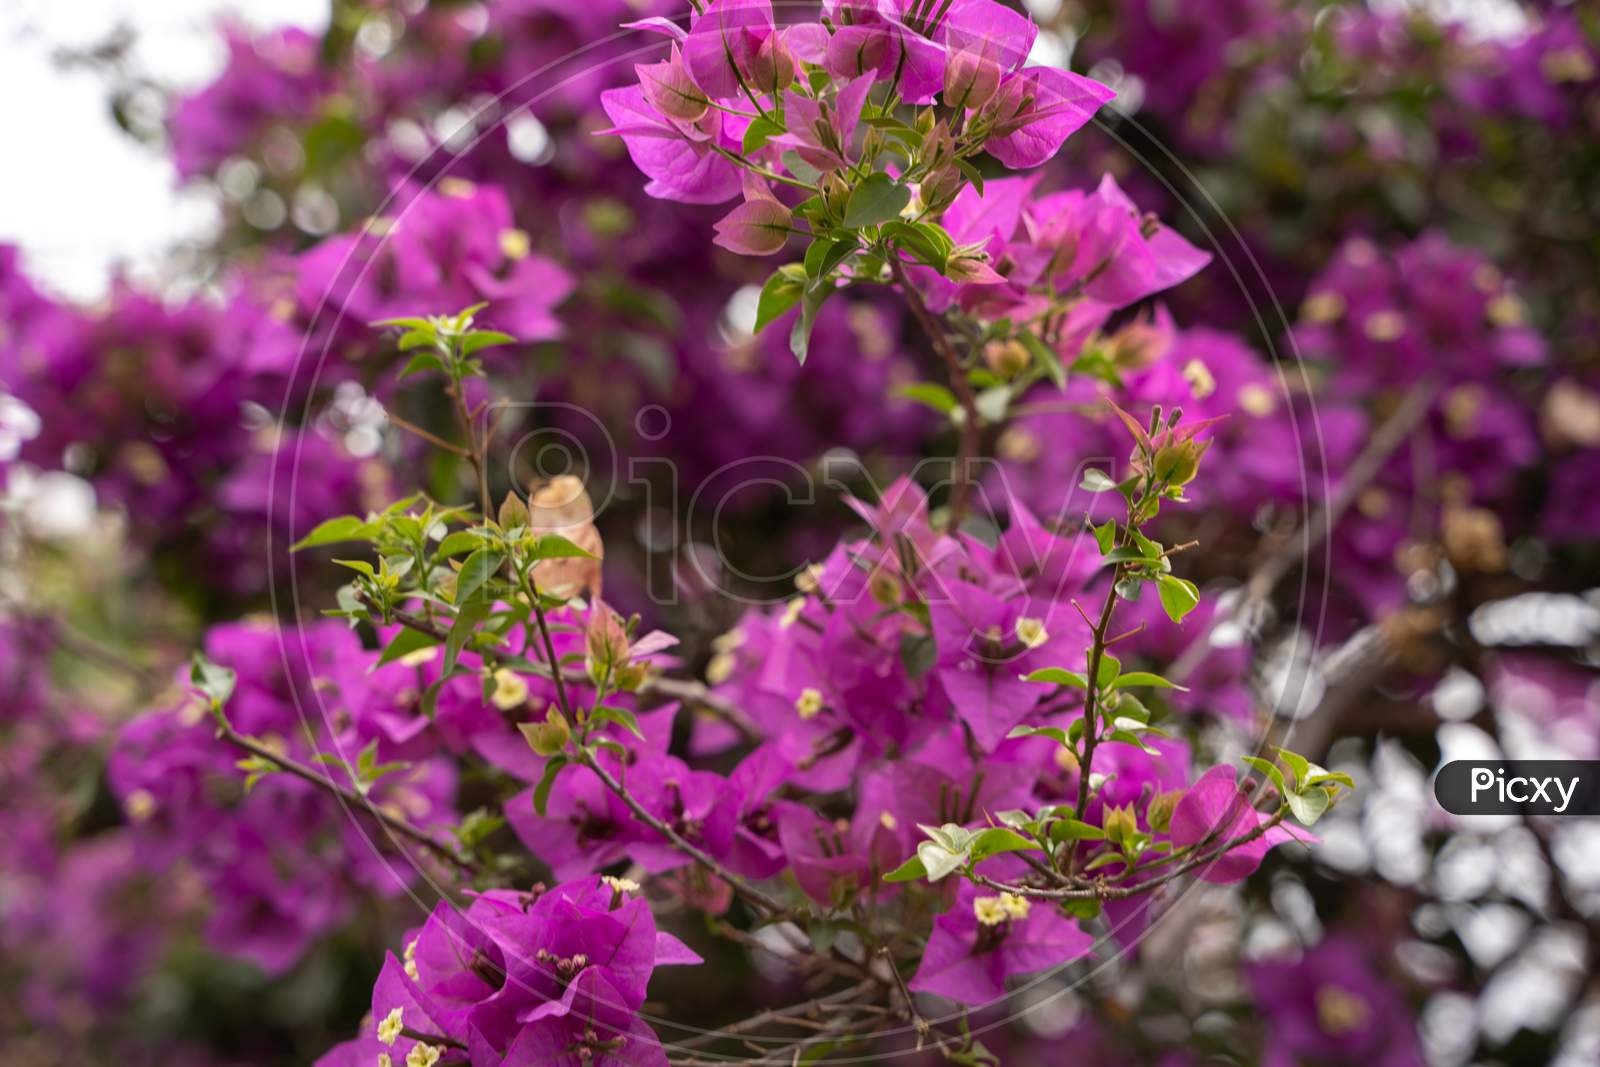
(877, 199)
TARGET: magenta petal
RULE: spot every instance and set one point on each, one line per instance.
(1216, 809)
(679, 168)
(984, 25)
(756, 227)
(1062, 103)
(723, 41)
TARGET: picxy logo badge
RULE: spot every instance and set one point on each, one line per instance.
(1509, 787)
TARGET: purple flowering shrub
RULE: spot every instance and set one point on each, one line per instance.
(955, 690)
(968, 789)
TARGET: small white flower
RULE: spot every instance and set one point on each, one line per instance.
(989, 910)
(807, 580)
(510, 689)
(809, 703)
(389, 1027)
(1015, 906)
(422, 1055)
(721, 667)
(621, 885)
(411, 960)
(1202, 383)
(730, 641)
(419, 657)
(139, 805)
(1031, 632)
(515, 244)
(1384, 325)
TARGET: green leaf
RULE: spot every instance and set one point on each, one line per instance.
(909, 871)
(412, 323)
(929, 394)
(405, 642)
(1082, 909)
(1046, 357)
(1075, 830)
(360, 566)
(457, 543)
(212, 680)
(878, 199)
(1124, 554)
(971, 173)
(554, 546)
(420, 362)
(921, 241)
(1268, 768)
(1326, 777)
(484, 339)
(468, 616)
(541, 792)
(832, 255)
(800, 335)
(1097, 481)
(817, 252)
(1150, 549)
(1105, 859)
(759, 132)
(1057, 676)
(624, 718)
(798, 168)
(938, 860)
(1128, 737)
(1055, 733)
(998, 839)
(918, 653)
(1105, 535)
(1299, 765)
(343, 528)
(1309, 806)
(478, 569)
(1133, 678)
(1130, 706)
(1178, 596)
(1105, 676)
(778, 295)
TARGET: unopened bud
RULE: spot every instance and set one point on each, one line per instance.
(939, 189)
(1137, 345)
(835, 194)
(1159, 813)
(548, 738)
(671, 91)
(1177, 464)
(513, 512)
(971, 78)
(772, 68)
(1006, 358)
(607, 642)
(1120, 824)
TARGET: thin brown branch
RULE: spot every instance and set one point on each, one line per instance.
(805, 1009)
(1122, 892)
(744, 889)
(428, 436)
(349, 797)
(1298, 546)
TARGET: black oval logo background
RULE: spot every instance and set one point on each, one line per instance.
(1511, 787)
